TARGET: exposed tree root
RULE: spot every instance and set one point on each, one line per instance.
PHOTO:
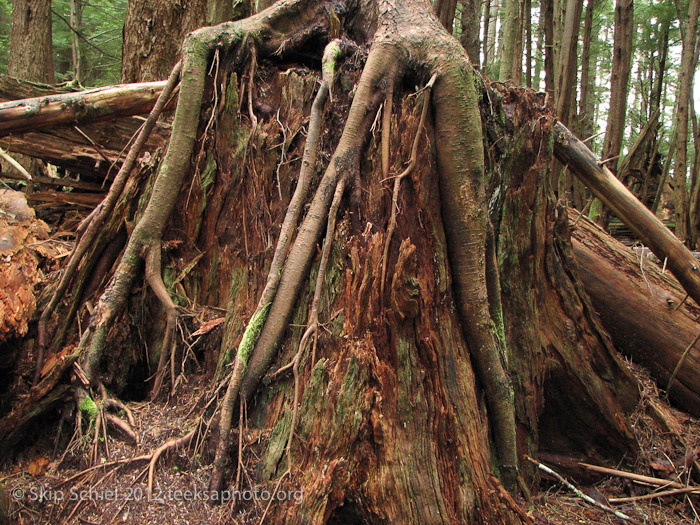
(167, 349)
(333, 51)
(397, 180)
(98, 217)
(174, 444)
(312, 323)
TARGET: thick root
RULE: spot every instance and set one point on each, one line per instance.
(333, 52)
(99, 215)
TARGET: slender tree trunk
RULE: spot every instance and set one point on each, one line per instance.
(508, 55)
(471, 15)
(528, 43)
(485, 26)
(547, 13)
(566, 70)
(689, 62)
(588, 76)
(445, 11)
(619, 85)
(76, 23)
(30, 55)
(491, 36)
(619, 81)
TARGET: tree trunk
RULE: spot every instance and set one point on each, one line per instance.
(445, 11)
(619, 81)
(566, 74)
(490, 40)
(547, 13)
(507, 54)
(76, 24)
(153, 34)
(684, 229)
(640, 307)
(470, 18)
(30, 54)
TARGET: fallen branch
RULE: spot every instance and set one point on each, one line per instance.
(25, 174)
(546, 469)
(653, 495)
(632, 476)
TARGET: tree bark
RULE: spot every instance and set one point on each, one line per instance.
(507, 54)
(641, 309)
(684, 230)
(547, 19)
(30, 55)
(73, 108)
(470, 18)
(619, 81)
(153, 34)
(445, 11)
(76, 24)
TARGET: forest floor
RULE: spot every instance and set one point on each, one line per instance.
(50, 480)
(45, 484)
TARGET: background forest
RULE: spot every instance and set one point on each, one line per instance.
(648, 78)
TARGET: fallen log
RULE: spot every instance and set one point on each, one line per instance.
(642, 309)
(90, 150)
(643, 223)
(71, 108)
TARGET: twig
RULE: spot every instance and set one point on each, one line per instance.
(681, 361)
(15, 164)
(663, 494)
(576, 491)
(632, 476)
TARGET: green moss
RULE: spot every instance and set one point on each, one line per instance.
(245, 348)
(208, 177)
(595, 208)
(89, 407)
(313, 396)
(347, 410)
(231, 100)
(233, 322)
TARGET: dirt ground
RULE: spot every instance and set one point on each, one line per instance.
(46, 484)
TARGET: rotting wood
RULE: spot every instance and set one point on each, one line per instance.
(639, 306)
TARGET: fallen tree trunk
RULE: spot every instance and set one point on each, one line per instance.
(645, 225)
(70, 108)
(89, 150)
(639, 307)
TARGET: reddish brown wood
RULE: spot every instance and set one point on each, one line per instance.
(637, 305)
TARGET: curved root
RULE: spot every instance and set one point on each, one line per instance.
(174, 444)
(333, 51)
(99, 215)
